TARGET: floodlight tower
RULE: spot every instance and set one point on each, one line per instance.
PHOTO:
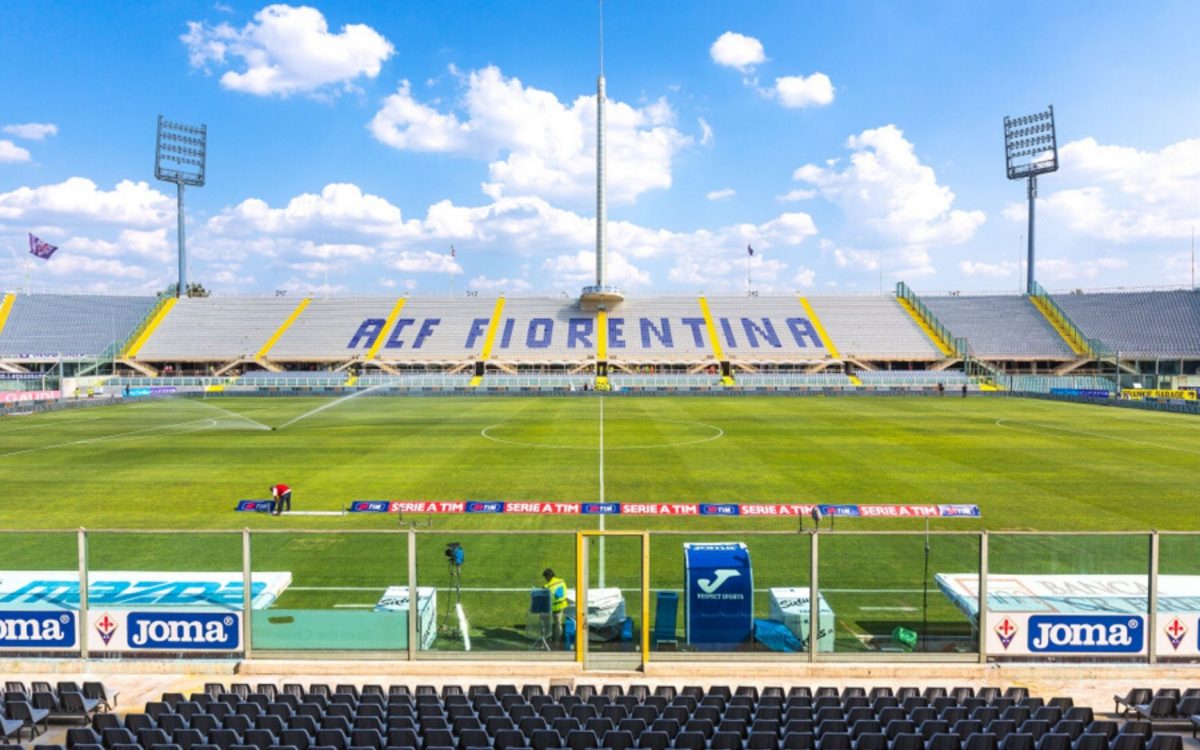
(1030, 149)
(179, 157)
(602, 293)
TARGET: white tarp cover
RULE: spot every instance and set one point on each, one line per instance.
(396, 598)
(605, 611)
(130, 589)
(791, 607)
(1070, 594)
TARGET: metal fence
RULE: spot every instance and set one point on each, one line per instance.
(972, 596)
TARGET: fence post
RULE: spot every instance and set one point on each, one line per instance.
(1152, 600)
(982, 625)
(247, 597)
(413, 595)
(814, 606)
(82, 619)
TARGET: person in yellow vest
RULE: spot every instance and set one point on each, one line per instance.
(558, 600)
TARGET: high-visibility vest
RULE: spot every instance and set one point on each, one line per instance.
(558, 594)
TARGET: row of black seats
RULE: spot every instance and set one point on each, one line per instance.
(34, 707)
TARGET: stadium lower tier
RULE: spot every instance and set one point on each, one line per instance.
(610, 717)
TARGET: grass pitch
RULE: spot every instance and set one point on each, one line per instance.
(182, 464)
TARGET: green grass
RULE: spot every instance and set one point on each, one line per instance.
(182, 465)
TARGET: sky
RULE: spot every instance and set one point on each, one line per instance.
(352, 145)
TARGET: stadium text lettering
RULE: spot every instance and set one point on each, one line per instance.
(111, 593)
(579, 333)
(661, 509)
(38, 629)
(199, 630)
(1078, 633)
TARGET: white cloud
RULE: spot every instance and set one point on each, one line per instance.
(893, 200)
(12, 153)
(1124, 194)
(485, 284)
(804, 276)
(580, 268)
(78, 198)
(536, 144)
(425, 261)
(287, 50)
(988, 270)
(734, 50)
(32, 131)
(798, 92)
(706, 133)
(722, 194)
(1086, 269)
(341, 210)
(793, 196)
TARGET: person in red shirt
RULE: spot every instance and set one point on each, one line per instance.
(282, 495)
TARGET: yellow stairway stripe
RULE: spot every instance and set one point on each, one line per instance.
(351, 380)
(854, 379)
(490, 339)
(262, 353)
(155, 322)
(5, 309)
(936, 339)
(387, 326)
(601, 335)
(816, 322)
(712, 330)
(1071, 340)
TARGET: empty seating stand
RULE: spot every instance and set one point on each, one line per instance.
(1139, 324)
(1000, 326)
(242, 716)
(49, 327)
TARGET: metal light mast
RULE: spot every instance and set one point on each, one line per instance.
(601, 294)
(179, 156)
(1030, 149)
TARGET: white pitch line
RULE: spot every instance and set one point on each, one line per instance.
(210, 423)
(887, 609)
(234, 414)
(354, 606)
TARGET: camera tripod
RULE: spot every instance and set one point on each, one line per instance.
(455, 571)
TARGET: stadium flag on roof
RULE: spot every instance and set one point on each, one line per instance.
(749, 251)
(452, 251)
(40, 248)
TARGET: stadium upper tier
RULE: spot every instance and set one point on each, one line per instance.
(522, 330)
(1000, 327)
(1139, 324)
(509, 332)
(52, 327)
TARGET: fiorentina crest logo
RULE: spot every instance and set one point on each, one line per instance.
(1175, 631)
(106, 626)
(1006, 630)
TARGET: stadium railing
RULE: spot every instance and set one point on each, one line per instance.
(881, 594)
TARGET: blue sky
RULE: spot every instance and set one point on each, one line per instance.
(352, 144)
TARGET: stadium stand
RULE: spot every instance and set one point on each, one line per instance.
(1000, 327)
(653, 331)
(1139, 324)
(766, 329)
(328, 328)
(911, 378)
(210, 329)
(1047, 383)
(50, 327)
(794, 379)
(873, 328)
(612, 716)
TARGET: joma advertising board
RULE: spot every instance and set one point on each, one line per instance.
(164, 630)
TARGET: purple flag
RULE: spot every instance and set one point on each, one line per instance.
(452, 251)
(40, 248)
(749, 251)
